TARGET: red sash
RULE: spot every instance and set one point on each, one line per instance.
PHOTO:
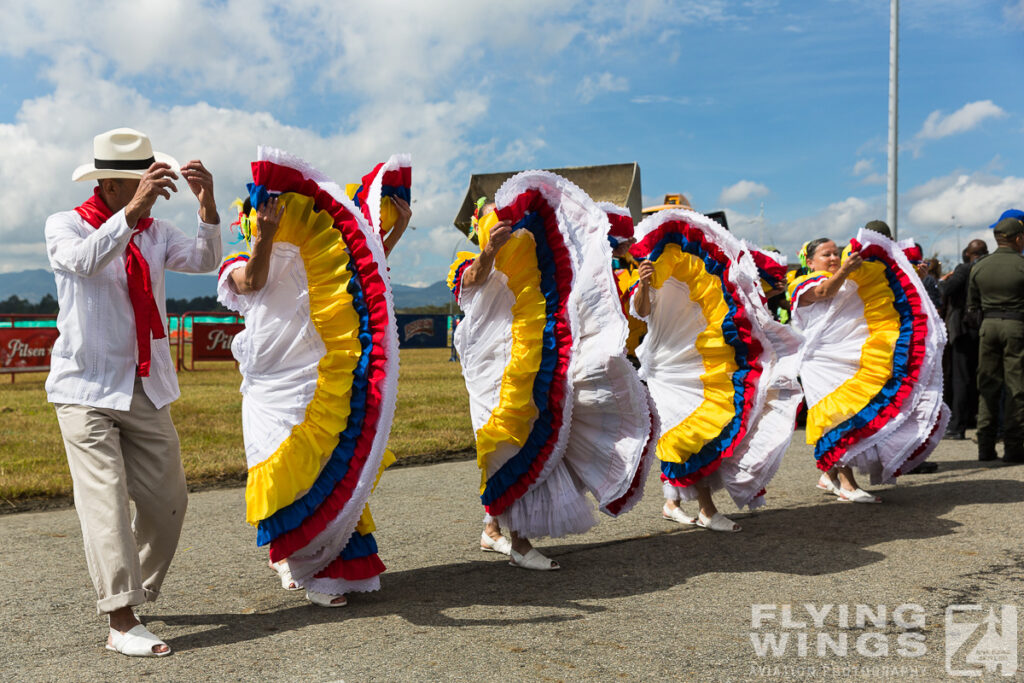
(140, 287)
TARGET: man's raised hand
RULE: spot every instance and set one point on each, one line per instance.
(200, 181)
(157, 181)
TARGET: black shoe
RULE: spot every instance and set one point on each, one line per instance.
(925, 468)
(987, 453)
(1013, 455)
(954, 435)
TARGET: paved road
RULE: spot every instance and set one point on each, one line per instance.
(638, 598)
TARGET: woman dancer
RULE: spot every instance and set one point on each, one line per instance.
(870, 363)
(715, 365)
(319, 360)
(557, 408)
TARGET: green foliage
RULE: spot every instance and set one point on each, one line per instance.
(200, 303)
(15, 304)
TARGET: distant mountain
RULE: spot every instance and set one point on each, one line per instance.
(33, 285)
(436, 294)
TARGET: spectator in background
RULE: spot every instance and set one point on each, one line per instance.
(996, 289)
(930, 279)
(963, 343)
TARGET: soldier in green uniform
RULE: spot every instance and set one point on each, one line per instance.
(996, 289)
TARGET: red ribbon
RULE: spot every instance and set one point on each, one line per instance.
(95, 212)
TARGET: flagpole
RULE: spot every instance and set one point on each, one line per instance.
(894, 54)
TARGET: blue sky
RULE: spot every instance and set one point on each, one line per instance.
(733, 103)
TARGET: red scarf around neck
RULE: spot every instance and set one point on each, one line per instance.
(95, 212)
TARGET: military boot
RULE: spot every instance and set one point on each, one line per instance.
(986, 451)
(1013, 453)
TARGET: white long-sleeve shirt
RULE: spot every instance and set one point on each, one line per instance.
(94, 359)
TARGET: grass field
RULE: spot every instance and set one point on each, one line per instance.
(431, 423)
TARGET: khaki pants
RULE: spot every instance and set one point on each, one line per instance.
(117, 456)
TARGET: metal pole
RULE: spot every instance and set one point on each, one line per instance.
(894, 51)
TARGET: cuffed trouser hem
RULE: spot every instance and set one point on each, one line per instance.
(126, 599)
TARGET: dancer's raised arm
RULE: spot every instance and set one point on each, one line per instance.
(253, 277)
(478, 271)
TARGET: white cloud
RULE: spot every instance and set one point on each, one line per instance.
(838, 221)
(874, 179)
(975, 200)
(929, 213)
(683, 100)
(1014, 13)
(214, 79)
(592, 86)
(53, 134)
(967, 117)
(863, 166)
(743, 191)
(234, 48)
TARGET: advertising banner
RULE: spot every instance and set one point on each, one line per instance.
(26, 349)
(422, 331)
(212, 341)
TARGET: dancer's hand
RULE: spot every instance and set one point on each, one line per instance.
(268, 219)
(646, 272)
(404, 213)
(852, 263)
(642, 295)
(500, 234)
(401, 223)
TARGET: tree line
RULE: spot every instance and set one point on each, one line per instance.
(48, 305)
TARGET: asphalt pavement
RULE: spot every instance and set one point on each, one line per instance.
(842, 591)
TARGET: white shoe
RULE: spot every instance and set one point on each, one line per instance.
(285, 573)
(717, 522)
(325, 599)
(497, 545)
(828, 484)
(858, 496)
(533, 560)
(136, 642)
(676, 514)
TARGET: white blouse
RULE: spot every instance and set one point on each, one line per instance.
(278, 352)
(94, 359)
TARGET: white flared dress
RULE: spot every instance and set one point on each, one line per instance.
(557, 408)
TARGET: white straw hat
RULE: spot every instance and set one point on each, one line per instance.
(121, 153)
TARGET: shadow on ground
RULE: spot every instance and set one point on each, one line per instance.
(813, 540)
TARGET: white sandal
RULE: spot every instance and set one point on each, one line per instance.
(676, 514)
(533, 560)
(717, 522)
(828, 484)
(325, 599)
(496, 545)
(136, 642)
(858, 496)
(285, 573)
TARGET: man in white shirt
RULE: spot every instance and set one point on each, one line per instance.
(111, 379)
